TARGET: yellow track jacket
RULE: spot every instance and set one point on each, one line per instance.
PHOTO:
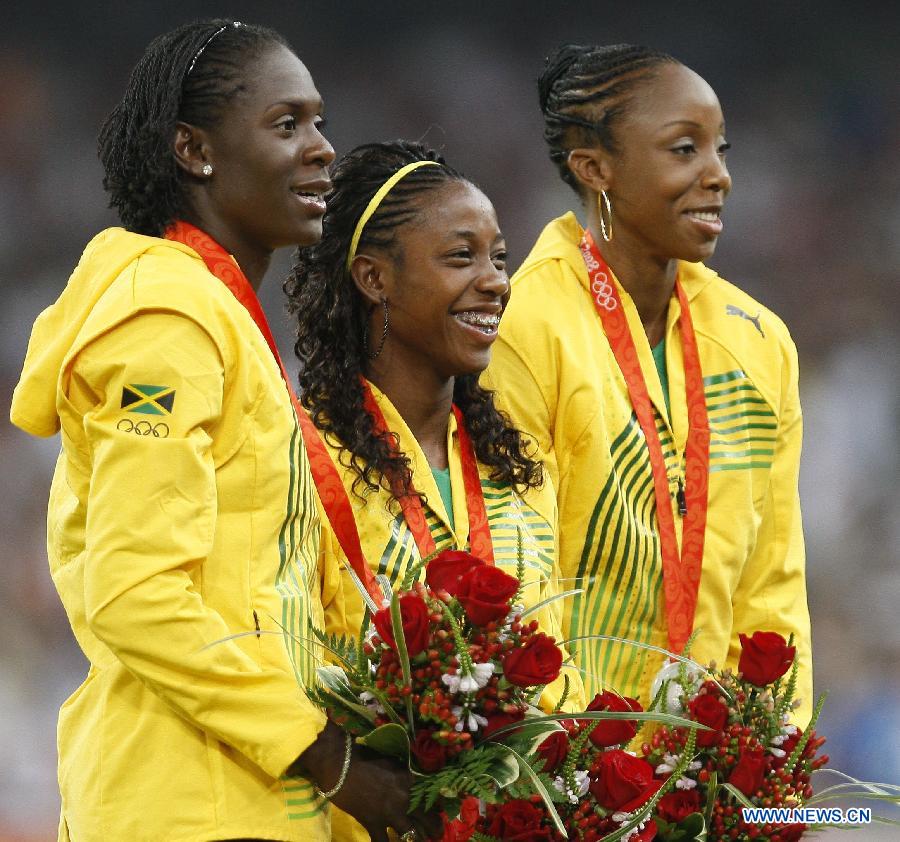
(182, 512)
(555, 373)
(390, 549)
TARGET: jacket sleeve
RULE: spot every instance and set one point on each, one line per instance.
(152, 509)
(771, 595)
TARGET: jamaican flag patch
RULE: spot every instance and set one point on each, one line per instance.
(148, 400)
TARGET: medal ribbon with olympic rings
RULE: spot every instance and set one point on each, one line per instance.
(681, 570)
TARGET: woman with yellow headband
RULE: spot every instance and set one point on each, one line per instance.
(397, 309)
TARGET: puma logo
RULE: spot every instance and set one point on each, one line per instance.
(732, 310)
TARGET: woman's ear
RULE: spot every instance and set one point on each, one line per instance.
(592, 167)
(369, 274)
(192, 150)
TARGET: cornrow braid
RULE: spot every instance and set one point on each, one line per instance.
(141, 176)
(332, 316)
(585, 90)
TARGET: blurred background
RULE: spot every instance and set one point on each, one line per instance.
(811, 229)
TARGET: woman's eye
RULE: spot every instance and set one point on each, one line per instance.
(287, 124)
(500, 259)
(723, 148)
(321, 124)
(461, 254)
(684, 149)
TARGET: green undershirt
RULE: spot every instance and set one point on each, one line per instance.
(659, 357)
(442, 478)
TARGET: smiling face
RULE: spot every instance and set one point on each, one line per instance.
(446, 285)
(667, 181)
(269, 159)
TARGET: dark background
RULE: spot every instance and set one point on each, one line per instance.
(811, 228)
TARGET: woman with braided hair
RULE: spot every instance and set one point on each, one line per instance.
(397, 309)
(663, 398)
(183, 524)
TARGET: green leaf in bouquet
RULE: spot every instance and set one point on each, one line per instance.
(692, 828)
(525, 766)
(795, 755)
(363, 592)
(637, 644)
(480, 772)
(550, 599)
(391, 739)
(341, 646)
(738, 795)
(712, 789)
(644, 716)
(334, 682)
(403, 655)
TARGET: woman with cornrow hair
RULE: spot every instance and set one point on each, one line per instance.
(183, 523)
(397, 309)
(664, 400)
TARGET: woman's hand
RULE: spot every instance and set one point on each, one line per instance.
(375, 791)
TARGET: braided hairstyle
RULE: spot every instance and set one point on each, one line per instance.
(585, 91)
(190, 74)
(332, 316)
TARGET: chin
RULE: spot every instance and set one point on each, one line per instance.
(309, 234)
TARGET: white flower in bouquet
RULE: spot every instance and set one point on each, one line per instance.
(671, 673)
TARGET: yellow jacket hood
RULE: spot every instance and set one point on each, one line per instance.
(59, 331)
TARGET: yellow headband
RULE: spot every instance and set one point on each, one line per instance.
(377, 199)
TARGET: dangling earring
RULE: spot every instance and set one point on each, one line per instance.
(384, 332)
(607, 233)
(206, 169)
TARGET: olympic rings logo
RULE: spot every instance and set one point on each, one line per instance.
(603, 291)
(144, 428)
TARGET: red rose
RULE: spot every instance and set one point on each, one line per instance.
(765, 657)
(613, 732)
(485, 593)
(553, 750)
(414, 616)
(501, 720)
(748, 773)
(429, 753)
(519, 820)
(622, 782)
(709, 710)
(462, 827)
(678, 805)
(537, 662)
(445, 571)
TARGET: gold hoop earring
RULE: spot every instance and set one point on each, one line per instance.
(607, 233)
(384, 333)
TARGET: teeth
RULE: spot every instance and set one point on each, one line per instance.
(488, 322)
(705, 216)
(309, 194)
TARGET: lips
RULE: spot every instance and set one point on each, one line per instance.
(312, 194)
(707, 219)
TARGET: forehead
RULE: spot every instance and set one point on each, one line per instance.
(277, 75)
(454, 207)
(675, 93)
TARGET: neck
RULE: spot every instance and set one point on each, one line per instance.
(424, 406)
(254, 262)
(650, 281)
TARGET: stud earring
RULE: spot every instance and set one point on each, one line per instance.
(206, 169)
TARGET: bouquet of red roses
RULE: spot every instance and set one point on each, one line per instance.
(598, 790)
(437, 670)
(692, 779)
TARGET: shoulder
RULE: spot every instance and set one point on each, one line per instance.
(741, 327)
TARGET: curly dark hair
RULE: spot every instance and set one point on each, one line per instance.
(189, 74)
(585, 90)
(332, 316)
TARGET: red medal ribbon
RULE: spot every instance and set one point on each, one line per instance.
(681, 570)
(480, 543)
(325, 475)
